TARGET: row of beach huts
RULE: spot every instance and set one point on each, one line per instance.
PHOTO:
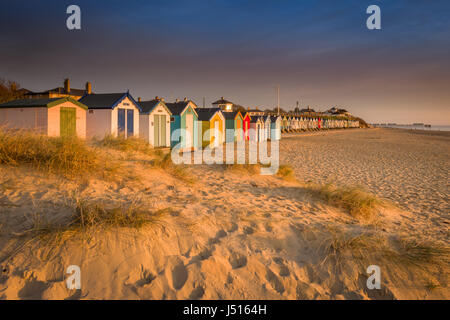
(63, 111)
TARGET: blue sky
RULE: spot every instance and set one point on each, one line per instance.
(319, 52)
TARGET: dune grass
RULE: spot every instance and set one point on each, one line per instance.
(179, 171)
(286, 172)
(250, 169)
(388, 251)
(66, 155)
(126, 144)
(91, 217)
(359, 203)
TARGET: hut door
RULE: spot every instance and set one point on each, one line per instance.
(216, 134)
(121, 121)
(67, 121)
(130, 123)
(162, 120)
(189, 130)
(156, 131)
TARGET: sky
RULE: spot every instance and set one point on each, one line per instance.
(319, 52)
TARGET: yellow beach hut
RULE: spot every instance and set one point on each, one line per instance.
(212, 123)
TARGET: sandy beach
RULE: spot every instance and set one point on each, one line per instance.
(407, 167)
(229, 233)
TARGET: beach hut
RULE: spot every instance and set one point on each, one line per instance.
(212, 123)
(54, 117)
(184, 117)
(256, 129)
(284, 123)
(233, 125)
(246, 126)
(266, 120)
(154, 123)
(275, 126)
(111, 114)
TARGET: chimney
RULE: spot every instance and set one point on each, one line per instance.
(88, 87)
(156, 98)
(67, 85)
(176, 100)
(221, 98)
(185, 99)
(139, 99)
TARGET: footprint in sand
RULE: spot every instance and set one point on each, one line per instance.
(219, 235)
(283, 270)
(237, 260)
(197, 293)
(146, 278)
(33, 289)
(176, 273)
(249, 230)
(274, 282)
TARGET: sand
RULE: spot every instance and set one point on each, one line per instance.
(232, 234)
(408, 167)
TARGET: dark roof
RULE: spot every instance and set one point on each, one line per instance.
(61, 90)
(32, 103)
(148, 106)
(205, 114)
(23, 103)
(105, 100)
(222, 101)
(273, 118)
(178, 107)
(230, 115)
(255, 119)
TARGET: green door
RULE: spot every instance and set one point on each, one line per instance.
(67, 122)
(156, 131)
(163, 131)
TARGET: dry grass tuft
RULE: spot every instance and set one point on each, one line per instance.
(286, 172)
(250, 169)
(67, 155)
(359, 203)
(179, 171)
(126, 145)
(414, 251)
(92, 217)
(374, 248)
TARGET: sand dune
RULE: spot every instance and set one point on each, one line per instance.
(228, 235)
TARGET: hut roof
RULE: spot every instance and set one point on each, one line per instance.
(106, 100)
(179, 106)
(32, 103)
(231, 115)
(148, 106)
(205, 114)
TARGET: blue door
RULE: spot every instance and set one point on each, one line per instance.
(130, 123)
(121, 121)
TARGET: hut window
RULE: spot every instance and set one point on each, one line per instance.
(91, 111)
(172, 119)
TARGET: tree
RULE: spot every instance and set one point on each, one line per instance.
(9, 90)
